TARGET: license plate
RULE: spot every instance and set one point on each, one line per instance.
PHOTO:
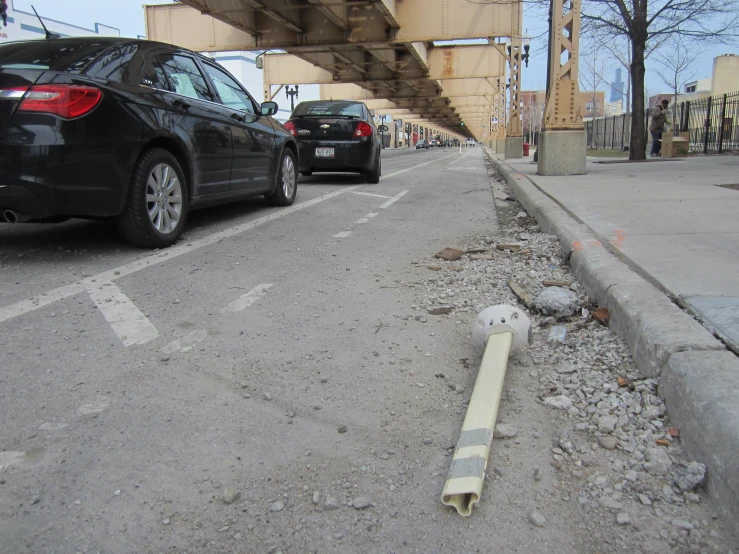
(324, 152)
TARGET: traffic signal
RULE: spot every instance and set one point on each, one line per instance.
(4, 12)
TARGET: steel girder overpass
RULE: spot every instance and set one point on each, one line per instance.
(383, 48)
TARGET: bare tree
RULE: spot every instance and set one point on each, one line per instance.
(646, 22)
(676, 68)
(593, 68)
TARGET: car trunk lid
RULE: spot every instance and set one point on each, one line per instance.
(325, 128)
(13, 83)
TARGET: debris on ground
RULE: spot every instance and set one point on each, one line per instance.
(557, 302)
(450, 254)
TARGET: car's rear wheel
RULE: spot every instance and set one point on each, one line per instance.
(156, 207)
(373, 177)
(287, 181)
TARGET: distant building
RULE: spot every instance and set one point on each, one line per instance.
(614, 108)
(593, 103)
(617, 88)
(725, 79)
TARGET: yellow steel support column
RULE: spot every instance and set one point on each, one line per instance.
(514, 138)
(562, 141)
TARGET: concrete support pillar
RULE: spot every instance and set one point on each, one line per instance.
(562, 153)
(513, 147)
(500, 146)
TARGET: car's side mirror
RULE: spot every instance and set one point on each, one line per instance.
(383, 128)
(269, 108)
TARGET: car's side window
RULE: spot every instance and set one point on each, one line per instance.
(231, 93)
(184, 76)
(152, 75)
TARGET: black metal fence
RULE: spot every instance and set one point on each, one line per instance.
(712, 125)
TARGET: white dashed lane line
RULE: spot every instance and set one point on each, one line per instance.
(370, 194)
(342, 235)
(246, 300)
(127, 321)
(393, 200)
(54, 295)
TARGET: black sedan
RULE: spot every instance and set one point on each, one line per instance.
(137, 131)
(337, 135)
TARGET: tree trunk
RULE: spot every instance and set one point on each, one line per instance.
(638, 143)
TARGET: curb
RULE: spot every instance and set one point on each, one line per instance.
(698, 375)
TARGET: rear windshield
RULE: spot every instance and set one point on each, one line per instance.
(53, 55)
(347, 109)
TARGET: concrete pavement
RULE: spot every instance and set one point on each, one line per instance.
(644, 237)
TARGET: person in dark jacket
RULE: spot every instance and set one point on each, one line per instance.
(657, 126)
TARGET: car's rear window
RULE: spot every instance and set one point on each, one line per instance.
(347, 109)
(56, 56)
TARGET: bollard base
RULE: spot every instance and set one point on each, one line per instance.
(562, 153)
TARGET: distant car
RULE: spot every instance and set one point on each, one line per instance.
(422, 144)
(137, 131)
(338, 136)
(471, 142)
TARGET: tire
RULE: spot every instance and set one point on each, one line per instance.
(373, 177)
(286, 185)
(306, 173)
(157, 202)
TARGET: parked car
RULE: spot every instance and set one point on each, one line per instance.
(422, 144)
(337, 135)
(133, 130)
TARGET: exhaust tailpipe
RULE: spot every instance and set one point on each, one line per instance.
(14, 217)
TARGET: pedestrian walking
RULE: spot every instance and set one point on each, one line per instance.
(657, 126)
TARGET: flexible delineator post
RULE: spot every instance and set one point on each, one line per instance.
(500, 329)
(467, 474)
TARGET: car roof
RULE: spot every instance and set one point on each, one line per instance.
(108, 41)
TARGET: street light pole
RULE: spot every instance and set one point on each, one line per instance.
(292, 94)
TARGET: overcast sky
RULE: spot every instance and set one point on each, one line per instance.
(128, 16)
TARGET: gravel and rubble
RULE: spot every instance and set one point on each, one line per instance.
(616, 446)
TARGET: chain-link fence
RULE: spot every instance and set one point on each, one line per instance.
(712, 125)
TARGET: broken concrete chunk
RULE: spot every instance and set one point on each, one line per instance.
(511, 247)
(557, 301)
(560, 401)
(450, 254)
(691, 476)
(441, 310)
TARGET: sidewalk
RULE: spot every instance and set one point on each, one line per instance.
(670, 222)
(642, 235)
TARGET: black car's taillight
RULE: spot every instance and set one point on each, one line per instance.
(66, 101)
(362, 130)
(290, 128)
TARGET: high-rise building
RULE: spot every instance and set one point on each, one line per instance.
(617, 88)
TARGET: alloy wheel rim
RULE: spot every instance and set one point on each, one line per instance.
(164, 198)
(288, 177)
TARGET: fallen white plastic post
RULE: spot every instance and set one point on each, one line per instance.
(499, 329)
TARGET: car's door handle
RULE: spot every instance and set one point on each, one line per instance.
(177, 103)
(237, 117)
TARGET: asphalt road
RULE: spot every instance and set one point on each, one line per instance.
(274, 383)
(133, 383)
